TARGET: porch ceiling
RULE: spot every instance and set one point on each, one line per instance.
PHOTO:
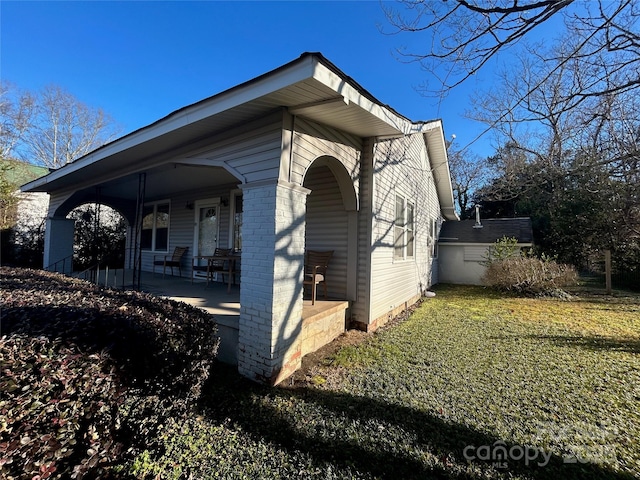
(310, 87)
(168, 180)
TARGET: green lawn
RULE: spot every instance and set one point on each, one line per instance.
(470, 374)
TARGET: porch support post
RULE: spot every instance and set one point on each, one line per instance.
(58, 245)
(269, 348)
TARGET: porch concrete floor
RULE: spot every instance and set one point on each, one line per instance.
(214, 297)
(321, 308)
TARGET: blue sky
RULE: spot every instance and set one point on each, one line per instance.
(140, 61)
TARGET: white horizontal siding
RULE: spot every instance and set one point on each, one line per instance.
(252, 149)
(327, 226)
(475, 253)
(312, 140)
(455, 268)
(401, 167)
(182, 225)
(360, 309)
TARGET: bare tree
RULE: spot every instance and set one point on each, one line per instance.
(576, 171)
(528, 107)
(51, 127)
(462, 36)
(16, 115)
(565, 111)
(468, 174)
(64, 129)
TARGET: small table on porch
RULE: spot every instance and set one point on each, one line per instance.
(211, 259)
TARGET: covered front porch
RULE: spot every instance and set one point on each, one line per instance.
(265, 170)
(321, 323)
(265, 326)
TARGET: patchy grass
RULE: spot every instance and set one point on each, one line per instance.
(469, 372)
(469, 369)
(563, 376)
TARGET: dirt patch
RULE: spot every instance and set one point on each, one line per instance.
(318, 363)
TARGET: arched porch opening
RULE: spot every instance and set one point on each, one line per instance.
(331, 223)
(85, 229)
(99, 237)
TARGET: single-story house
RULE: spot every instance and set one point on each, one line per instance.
(300, 158)
(463, 246)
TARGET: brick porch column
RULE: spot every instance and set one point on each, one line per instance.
(273, 231)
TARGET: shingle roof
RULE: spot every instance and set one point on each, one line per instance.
(492, 229)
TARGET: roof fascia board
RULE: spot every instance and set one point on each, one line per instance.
(294, 72)
(437, 148)
(352, 94)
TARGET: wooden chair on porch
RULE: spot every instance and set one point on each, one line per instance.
(218, 264)
(315, 271)
(172, 260)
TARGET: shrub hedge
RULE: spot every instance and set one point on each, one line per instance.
(530, 276)
(87, 371)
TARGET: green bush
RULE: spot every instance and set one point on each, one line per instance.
(506, 247)
(530, 275)
(86, 370)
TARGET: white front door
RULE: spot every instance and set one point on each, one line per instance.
(206, 231)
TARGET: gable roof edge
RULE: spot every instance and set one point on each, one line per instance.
(297, 69)
(433, 134)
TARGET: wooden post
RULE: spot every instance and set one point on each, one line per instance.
(607, 270)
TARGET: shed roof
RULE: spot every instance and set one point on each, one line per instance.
(492, 229)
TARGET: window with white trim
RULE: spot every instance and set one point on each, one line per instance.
(404, 229)
(155, 227)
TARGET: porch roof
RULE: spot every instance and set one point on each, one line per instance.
(309, 86)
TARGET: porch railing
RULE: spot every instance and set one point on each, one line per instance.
(102, 272)
(108, 271)
(103, 275)
(54, 267)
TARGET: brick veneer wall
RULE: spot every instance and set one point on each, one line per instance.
(269, 347)
(319, 330)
